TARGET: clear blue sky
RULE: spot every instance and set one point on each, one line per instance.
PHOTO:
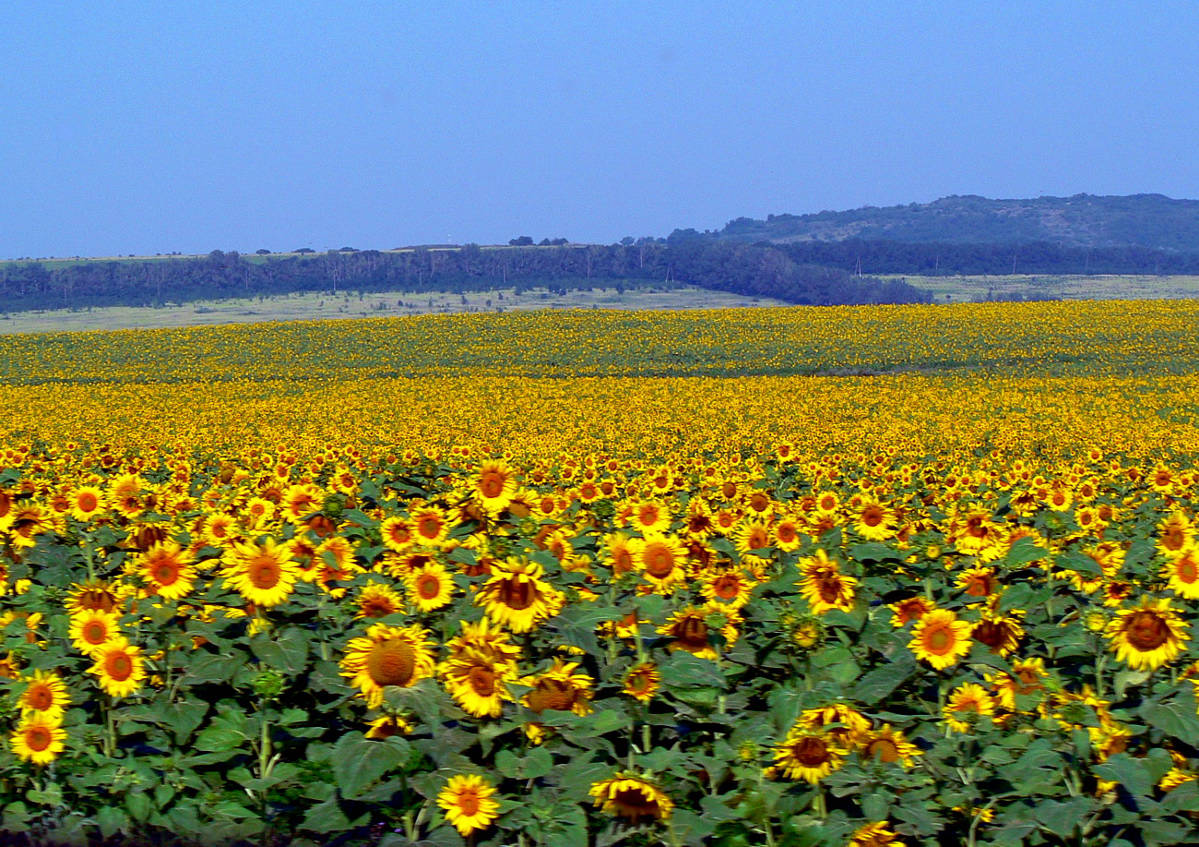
(154, 127)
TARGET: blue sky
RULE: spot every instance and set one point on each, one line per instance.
(147, 127)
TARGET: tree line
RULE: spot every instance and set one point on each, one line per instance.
(750, 269)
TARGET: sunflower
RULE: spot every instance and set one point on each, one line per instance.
(300, 501)
(388, 655)
(692, 629)
(845, 725)
(1147, 636)
(649, 516)
(397, 534)
(808, 754)
(86, 502)
(46, 695)
(632, 797)
(119, 666)
(168, 570)
(911, 609)
(377, 600)
(124, 495)
(662, 560)
(558, 689)
(977, 582)
(430, 526)
(786, 534)
(262, 573)
(731, 587)
(875, 522)
(478, 682)
(387, 726)
(752, 535)
(642, 682)
(92, 629)
(940, 638)
(888, 745)
(38, 739)
(875, 835)
(1026, 678)
(517, 597)
(619, 553)
(1182, 572)
(486, 638)
(1175, 532)
(468, 804)
(1000, 633)
(494, 486)
(967, 699)
(221, 530)
(259, 511)
(824, 586)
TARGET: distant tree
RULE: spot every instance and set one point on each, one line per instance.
(348, 250)
(522, 241)
(263, 252)
(304, 250)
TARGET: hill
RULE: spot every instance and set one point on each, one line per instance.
(1084, 220)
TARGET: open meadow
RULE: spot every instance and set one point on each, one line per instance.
(791, 576)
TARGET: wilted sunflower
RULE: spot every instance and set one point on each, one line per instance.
(1147, 636)
(468, 803)
(888, 745)
(387, 726)
(45, 694)
(632, 797)
(262, 573)
(911, 609)
(388, 655)
(478, 682)
(968, 698)
(168, 570)
(642, 681)
(940, 639)
(558, 689)
(119, 667)
(517, 597)
(377, 600)
(875, 835)
(808, 754)
(38, 739)
(692, 628)
(92, 629)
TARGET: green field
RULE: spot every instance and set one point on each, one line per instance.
(310, 305)
(971, 289)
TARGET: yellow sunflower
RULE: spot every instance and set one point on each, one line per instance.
(467, 800)
(692, 629)
(516, 596)
(168, 570)
(38, 739)
(387, 726)
(940, 639)
(430, 526)
(631, 797)
(119, 667)
(732, 587)
(1147, 636)
(87, 501)
(1000, 633)
(967, 699)
(45, 694)
(93, 629)
(94, 594)
(662, 560)
(558, 689)
(1027, 678)
(262, 573)
(478, 682)
(888, 745)
(397, 534)
(484, 637)
(808, 754)
(875, 835)
(377, 600)
(494, 486)
(641, 682)
(875, 522)
(911, 609)
(1182, 572)
(388, 655)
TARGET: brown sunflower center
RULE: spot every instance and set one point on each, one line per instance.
(39, 697)
(377, 607)
(829, 586)
(811, 752)
(554, 694)
(991, 633)
(786, 533)
(166, 572)
(264, 572)
(691, 632)
(517, 593)
(391, 662)
(883, 749)
(1146, 631)
(86, 501)
(872, 516)
(659, 561)
(119, 666)
(468, 802)
(1187, 569)
(635, 804)
(428, 587)
(429, 527)
(95, 632)
(491, 484)
(726, 587)
(38, 738)
(938, 640)
(96, 599)
(482, 680)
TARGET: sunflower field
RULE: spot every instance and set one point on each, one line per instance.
(861, 576)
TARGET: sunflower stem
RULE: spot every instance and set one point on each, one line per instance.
(110, 728)
(1100, 661)
(819, 804)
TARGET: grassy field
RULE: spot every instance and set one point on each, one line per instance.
(972, 289)
(308, 305)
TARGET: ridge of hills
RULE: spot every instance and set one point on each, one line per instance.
(1084, 220)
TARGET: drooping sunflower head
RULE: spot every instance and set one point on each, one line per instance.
(632, 797)
(378, 600)
(560, 689)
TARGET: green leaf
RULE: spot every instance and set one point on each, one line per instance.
(1025, 550)
(286, 652)
(359, 761)
(138, 805)
(683, 670)
(219, 739)
(1079, 562)
(183, 717)
(1176, 718)
(1062, 818)
(874, 551)
(1127, 771)
(877, 684)
(111, 820)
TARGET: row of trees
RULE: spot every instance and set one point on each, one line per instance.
(758, 270)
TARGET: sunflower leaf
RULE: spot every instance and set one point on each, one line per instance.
(359, 761)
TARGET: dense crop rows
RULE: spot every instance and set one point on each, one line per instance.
(908, 609)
